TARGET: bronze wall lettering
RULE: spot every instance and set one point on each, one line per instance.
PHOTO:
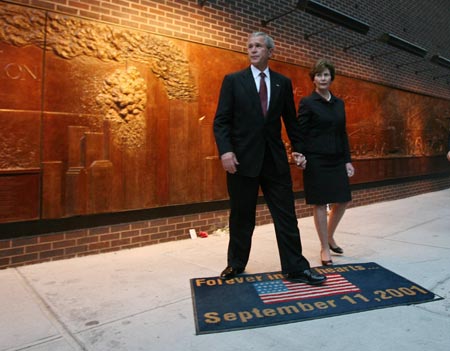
(16, 71)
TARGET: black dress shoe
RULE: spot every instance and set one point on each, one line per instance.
(230, 272)
(327, 263)
(336, 249)
(307, 276)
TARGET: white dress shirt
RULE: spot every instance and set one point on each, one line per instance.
(257, 79)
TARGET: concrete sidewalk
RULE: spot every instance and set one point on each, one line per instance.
(140, 299)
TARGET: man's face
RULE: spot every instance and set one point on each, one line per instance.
(258, 52)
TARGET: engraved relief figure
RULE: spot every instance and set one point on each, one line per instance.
(123, 99)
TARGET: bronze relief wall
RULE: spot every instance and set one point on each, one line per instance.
(97, 118)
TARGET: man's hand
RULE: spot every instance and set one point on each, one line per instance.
(229, 162)
(448, 155)
(299, 160)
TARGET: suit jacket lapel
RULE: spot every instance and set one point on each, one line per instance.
(249, 84)
(252, 92)
(275, 87)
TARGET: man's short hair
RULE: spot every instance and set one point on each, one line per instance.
(270, 44)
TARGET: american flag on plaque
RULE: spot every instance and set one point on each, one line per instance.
(277, 291)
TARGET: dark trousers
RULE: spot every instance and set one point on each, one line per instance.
(277, 190)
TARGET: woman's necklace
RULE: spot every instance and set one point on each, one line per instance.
(328, 97)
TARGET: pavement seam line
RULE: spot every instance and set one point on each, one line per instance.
(50, 314)
(112, 321)
(38, 342)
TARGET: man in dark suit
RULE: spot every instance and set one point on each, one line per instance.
(247, 128)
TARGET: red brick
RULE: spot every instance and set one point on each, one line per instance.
(78, 4)
(178, 232)
(87, 240)
(51, 253)
(140, 225)
(65, 243)
(51, 238)
(109, 249)
(130, 24)
(165, 228)
(174, 220)
(43, 4)
(140, 239)
(111, 6)
(90, 15)
(76, 234)
(120, 242)
(122, 3)
(158, 222)
(120, 228)
(99, 230)
(66, 9)
(5, 263)
(24, 258)
(129, 234)
(158, 236)
(5, 244)
(97, 246)
(206, 215)
(149, 230)
(75, 249)
(191, 218)
(184, 225)
(38, 248)
(11, 252)
(24, 241)
(183, 237)
(199, 223)
(109, 237)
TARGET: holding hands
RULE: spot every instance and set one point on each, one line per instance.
(299, 160)
(350, 169)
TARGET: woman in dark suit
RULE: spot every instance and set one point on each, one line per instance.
(325, 146)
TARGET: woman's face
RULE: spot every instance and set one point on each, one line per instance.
(322, 80)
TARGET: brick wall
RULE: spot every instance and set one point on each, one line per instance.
(226, 23)
(63, 245)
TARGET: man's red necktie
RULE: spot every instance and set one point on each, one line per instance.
(263, 93)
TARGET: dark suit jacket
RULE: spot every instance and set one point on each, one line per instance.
(240, 127)
(323, 126)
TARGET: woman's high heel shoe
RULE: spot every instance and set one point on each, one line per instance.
(327, 263)
(336, 249)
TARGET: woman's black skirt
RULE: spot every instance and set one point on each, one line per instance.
(325, 179)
